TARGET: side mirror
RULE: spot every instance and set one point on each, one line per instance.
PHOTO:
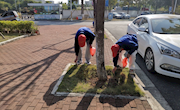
(142, 29)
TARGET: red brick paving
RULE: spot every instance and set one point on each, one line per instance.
(30, 67)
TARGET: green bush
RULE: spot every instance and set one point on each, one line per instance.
(18, 26)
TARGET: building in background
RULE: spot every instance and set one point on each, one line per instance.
(46, 10)
(89, 3)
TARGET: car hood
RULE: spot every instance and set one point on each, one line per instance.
(169, 39)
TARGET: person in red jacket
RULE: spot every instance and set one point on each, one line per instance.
(83, 35)
(128, 43)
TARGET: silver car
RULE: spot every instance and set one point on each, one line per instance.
(10, 16)
(159, 42)
(117, 16)
(125, 16)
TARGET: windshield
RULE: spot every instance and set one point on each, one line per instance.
(166, 26)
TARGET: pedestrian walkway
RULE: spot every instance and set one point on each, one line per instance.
(30, 67)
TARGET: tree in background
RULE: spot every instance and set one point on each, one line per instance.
(128, 3)
(138, 4)
(156, 4)
(112, 3)
(48, 1)
(64, 6)
(4, 6)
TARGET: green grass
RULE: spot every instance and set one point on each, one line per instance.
(105, 37)
(83, 79)
(9, 36)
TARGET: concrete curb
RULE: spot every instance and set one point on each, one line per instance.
(13, 39)
(154, 97)
(86, 94)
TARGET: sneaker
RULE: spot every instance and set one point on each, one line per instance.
(132, 72)
(78, 62)
(118, 67)
(88, 62)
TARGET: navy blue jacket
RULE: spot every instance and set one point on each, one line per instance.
(127, 42)
(89, 36)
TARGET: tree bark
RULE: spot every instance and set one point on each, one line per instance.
(82, 8)
(99, 27)
(94, 15)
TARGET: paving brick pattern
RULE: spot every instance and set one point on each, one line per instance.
(30, 67)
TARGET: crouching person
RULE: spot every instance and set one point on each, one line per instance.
(83, 35)
(128, 43)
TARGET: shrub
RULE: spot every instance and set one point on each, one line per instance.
(18, 26)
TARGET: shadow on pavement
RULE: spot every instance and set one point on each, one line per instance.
(22, 81)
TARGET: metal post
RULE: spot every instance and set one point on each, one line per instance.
(71, 10)
(175, 7)
(15, 5)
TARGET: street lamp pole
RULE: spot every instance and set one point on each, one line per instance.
(175, 6)
(15, 5)
(71, 10)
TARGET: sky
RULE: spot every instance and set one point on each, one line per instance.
(65, 1)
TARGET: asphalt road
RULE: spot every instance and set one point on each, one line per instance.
(168, 87)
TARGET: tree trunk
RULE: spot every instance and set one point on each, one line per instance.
(82, 8)
(128, 9)
(99, 27)
(94, 15)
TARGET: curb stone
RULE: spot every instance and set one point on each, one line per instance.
(86, 94)
(13, 39)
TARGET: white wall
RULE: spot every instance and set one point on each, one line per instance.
(67, 13)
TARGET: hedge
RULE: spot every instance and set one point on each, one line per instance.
(18, 26)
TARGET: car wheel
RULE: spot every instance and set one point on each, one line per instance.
(149, 60)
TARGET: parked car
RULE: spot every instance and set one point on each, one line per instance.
(117, 16)
(125, 16)
(146, 13)
(159, 42)
(10, 15)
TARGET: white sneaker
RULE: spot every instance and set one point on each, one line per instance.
(78, 62)
(88, 62)
(132, 71)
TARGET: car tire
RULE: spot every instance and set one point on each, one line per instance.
(149, 60)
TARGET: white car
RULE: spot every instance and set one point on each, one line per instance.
(125, 16)
(117, 16)
(159, 42)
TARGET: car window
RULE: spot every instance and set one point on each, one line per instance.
(137, 22)
(144, 23)
(6, 14)
(166, 26)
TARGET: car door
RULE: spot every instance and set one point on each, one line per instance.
(4, 16)
(11, 16)
(134, 29)
(143, 37)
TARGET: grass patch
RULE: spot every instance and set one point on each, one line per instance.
(105, 37)
(83, 79)
(9, 36)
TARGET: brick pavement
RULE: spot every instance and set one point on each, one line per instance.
(30, 67)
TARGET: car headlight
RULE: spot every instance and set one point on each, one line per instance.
(168, 51)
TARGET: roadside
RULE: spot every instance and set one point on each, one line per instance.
(146, 84)
(154, 97)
